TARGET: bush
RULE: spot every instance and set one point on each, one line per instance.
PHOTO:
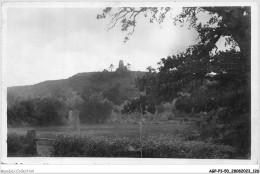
(214, 126)
(164, 116)
(140, 105)
(95, 109)
(40, 112)
(20, 146)
(86, 146)
(169, 147)
(184, 104)
(188, 134)
(159, 146)
(115, 94)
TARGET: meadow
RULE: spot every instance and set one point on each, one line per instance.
(109, 129)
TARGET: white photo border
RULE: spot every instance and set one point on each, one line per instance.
(173, 164)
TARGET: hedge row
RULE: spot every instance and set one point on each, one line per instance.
(159, 146)
(20, 145)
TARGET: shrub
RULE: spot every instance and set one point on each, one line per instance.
(168, 106)
(175, 147)
(87, 146)
(95, 109)
(188, 134)
(115, 94)
(160, 109)
(184, 104)
(39, 111)
(201, 150)
(164, 116)
(20, 146)
(140, 105)
(214, 126)
(159, 146)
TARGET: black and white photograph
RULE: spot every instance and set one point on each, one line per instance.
(129, 81)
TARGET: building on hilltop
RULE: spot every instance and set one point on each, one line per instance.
(121, 64)
(121, 67)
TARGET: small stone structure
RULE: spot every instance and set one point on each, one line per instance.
(73, 120)
(121, 67)
(121, 64)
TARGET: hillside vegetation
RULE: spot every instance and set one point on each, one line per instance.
(97, 81)
(95, 95)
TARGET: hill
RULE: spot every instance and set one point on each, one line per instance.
(106, 82)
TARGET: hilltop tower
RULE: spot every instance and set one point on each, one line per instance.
(121, 64)
(121, 67)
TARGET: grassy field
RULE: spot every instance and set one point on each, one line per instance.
(110, 130)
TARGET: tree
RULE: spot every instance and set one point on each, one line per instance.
(202, 77)
(115, 94)
(148, 84)
(95, 109)
(138, 105)
(187, 71)
(73, 100)
(35, 112)
(111, 67)
(217, 84)
(46, 112)
(232, 23)
(12, 98)
(16, 114)
(128, 66)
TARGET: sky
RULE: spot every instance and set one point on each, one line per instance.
(57, 43)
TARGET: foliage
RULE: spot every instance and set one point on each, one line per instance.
(18, 146)
(232, 23)
(16, 114)
(128, 66)
(62, 89)
(184, 104)
(115, 94)
(46, 112)
(111, 67)
(202, 79)
(95, 109)
(73, 100)
(151, 147)
(166, 106)
(148, 83)
(169, 147)
(85, 146)
(12, 98)
(38, 112)
(186, 72)
(218, 84)
(235, 132)
(139, 105)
